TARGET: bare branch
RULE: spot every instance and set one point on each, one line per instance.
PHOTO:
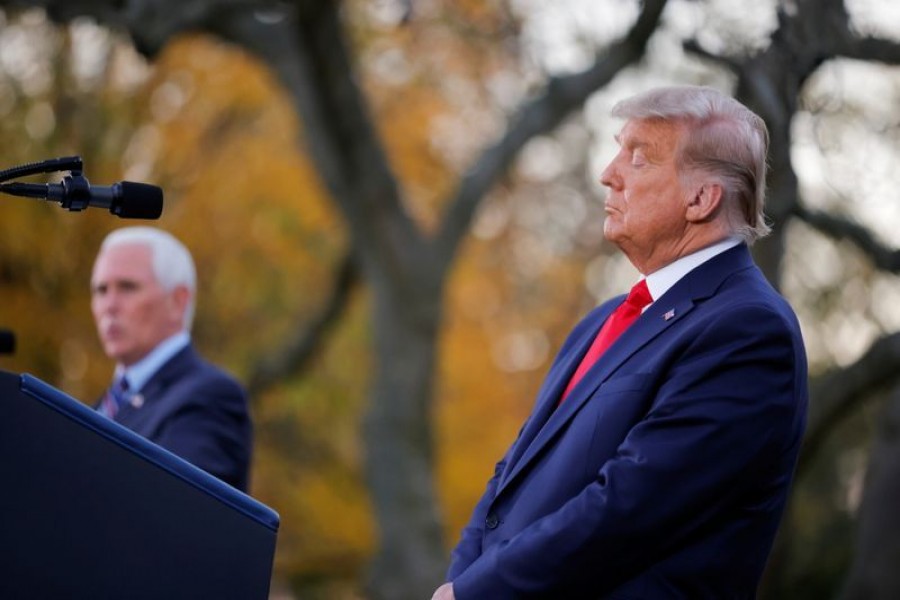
(561, 96)
(305, 343)
(149, 23)
(838, 228)
(692, 46)
(837, 393)
(874, 49)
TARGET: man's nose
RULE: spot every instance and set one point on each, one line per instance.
(108, 302)
(610, 176)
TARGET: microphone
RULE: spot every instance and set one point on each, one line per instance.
(7, 341)
(126, 199)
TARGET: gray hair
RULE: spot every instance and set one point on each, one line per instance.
(725, 140)
(172, 262)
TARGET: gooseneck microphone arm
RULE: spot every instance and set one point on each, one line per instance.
(66, 163)
(126, 199)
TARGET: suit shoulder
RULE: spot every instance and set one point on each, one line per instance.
(752, 292)
(216, 372)
(208, 380)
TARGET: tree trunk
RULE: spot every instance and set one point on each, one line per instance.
(398, 441)
(875, 574)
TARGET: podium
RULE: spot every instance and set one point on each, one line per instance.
(89, 509)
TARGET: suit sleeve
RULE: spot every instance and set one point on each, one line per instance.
(469, 547)
(722, 414)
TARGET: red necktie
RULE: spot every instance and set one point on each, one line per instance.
(618, 321)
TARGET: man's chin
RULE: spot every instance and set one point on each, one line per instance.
(115, 352)
(612, 233)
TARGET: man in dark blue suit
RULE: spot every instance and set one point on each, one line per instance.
(657, 464)
(142, 295)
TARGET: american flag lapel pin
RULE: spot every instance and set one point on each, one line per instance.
(669, 314)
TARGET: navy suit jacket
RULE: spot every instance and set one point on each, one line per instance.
(198, 412)
(665, 471)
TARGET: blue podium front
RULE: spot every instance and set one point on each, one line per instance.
(91, 510)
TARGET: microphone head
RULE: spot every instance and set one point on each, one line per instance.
(7, 341)
(138, 201)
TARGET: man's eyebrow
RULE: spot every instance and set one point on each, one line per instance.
(632, 144)
(120, 282)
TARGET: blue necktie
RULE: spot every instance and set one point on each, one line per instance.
(115, 397)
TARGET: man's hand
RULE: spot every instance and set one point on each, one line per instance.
(445, 592)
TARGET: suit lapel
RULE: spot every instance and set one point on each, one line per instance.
(549, 422)
(553, 386)
(665, 312)
(157, 384)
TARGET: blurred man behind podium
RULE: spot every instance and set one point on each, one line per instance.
(143, 290)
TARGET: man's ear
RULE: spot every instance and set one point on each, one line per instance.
(181, 297)
(705, 202)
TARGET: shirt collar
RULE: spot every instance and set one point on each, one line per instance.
(140, 372)
(660, 281)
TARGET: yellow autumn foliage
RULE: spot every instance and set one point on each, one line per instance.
(211, 125)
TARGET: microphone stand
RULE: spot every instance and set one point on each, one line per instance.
(7, 341)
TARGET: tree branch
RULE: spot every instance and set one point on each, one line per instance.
(837, 393)
(561, 96)
(149, 23)
(839, 228)
(874, 49)
(692, 46)
(296, 353)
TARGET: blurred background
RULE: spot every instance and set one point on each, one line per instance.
(395, 214)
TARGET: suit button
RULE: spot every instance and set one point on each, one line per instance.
(491, 521)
